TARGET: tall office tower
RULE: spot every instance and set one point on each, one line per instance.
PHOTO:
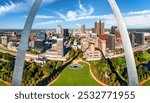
(33, 37)
(93, 30)
(139, 38)
(113, 29)
(77, 36)
(4, 40)
(83, 28)
(59, 31)
(102, 43)
(98, 28)
(92, 46)
(60, 47)
(31, 44)
(48, 35)
(132, 39)
(117, 33)
(45, 36)
(40, 35)
(110, 43)
(66, 33)
(39, 44)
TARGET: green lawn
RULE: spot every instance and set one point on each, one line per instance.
(79, 77)
(146, 55)
(2, 84)
(147, 83)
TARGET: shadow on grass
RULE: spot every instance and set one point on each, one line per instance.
(121, 81)
(55, 73)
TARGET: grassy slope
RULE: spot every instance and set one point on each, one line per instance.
(2, 84)
(147, 83)
(80, 77)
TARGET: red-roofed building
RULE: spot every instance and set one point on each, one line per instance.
(103, 36)
(102, 42)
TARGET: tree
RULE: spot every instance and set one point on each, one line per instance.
(148, 51)
(71, 53)
(113, 77)
(7, 56)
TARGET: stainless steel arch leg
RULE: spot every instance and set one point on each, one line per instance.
(20, 58)
(131, 67)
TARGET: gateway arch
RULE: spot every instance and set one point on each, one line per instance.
(131, 67)
(20, 58)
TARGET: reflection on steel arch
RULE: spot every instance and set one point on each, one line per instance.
(20, 58)
(131, 67)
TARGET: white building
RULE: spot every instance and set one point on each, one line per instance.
(59, 31)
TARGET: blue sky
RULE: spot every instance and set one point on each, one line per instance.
(73, 13)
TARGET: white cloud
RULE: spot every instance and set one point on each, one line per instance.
(78, 25)
(104, 17)
(77, 14)
(133, 19)
(71, 14)
(139, 12)
(61, 15)
(11, 7)
(49, 22)
(30, 2)
(137, 19)
(91, 10)
(44, 17)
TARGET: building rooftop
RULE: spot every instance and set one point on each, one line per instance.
(103, 36)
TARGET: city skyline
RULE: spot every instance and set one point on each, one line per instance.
(77, 12)
(96, 48)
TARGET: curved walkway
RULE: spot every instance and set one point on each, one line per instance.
(101, 83)
(53, 80)
(6, 83)
(144, 81)
(80, 60)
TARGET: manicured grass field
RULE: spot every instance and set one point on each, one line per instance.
(2, 84)
(78, 77)
(147, 83)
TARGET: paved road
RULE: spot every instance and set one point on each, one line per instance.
(31, 56)
(98, 81)
(4, 51)
(140, 48)
(27, 57)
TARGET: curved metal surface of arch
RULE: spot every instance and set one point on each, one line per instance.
(131, 67)
(20, 58)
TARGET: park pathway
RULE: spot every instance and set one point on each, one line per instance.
(144, 81)
(6, 83)
(90, 68)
